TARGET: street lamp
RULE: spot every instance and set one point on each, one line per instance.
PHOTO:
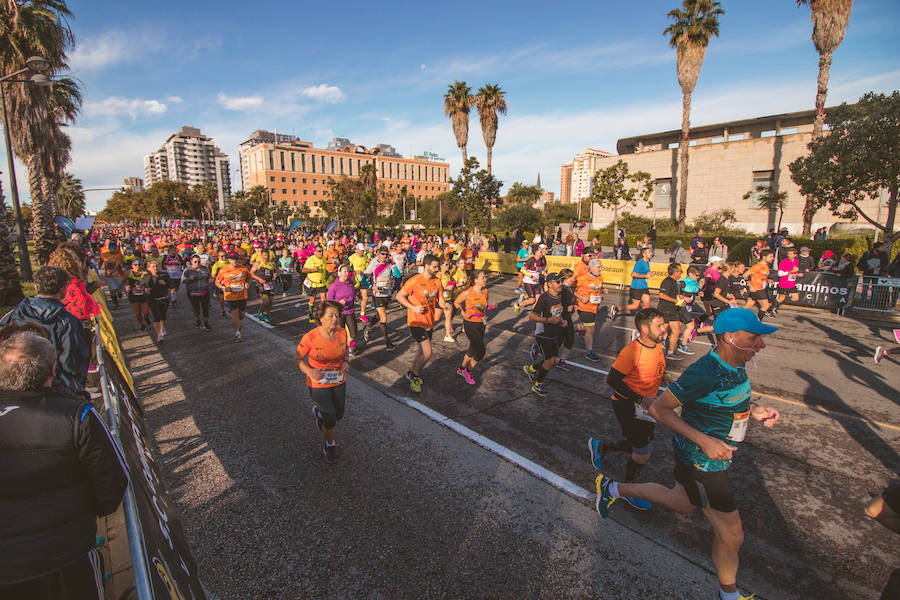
(39, 65)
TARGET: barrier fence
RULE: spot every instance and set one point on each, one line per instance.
(161, 559)
(876, 294)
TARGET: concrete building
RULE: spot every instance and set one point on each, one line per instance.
(133, 184)
(259, 136)
(727, 160)
(565, 183)
(297, 174)
(547, 197)
(190, 157)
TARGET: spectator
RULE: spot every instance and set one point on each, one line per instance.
(827, 262)
(756, 251)
(772, 240)
(719, 248)
(652, 235)
(696, 239)
(844, 267)
(559, 249)
(579, 245)
(47, 309)
(806, 263)
(677, 253)
(874, 262)
(784, 245)
(700, 255)
(59, 471)
(596, 246)
(623, 252)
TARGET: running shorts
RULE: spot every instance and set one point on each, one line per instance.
(240, 305)
(139, 299)
(420, 334)
(382, 301)
(331, 402)
(637, 294)
(158, 308)
(550, 348)
(114, 283)
(706, 488)
(669, 311)
(787, 291)
(174, 284)
(587, 318)
(475, 332)
(637, 432)
(762, 294)
(532, 290)
(313, 291)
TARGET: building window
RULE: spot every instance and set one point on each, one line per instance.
(283, 179)
(662, 194)
(357, 166)
(294, 191)
(304, 180)
(271, 178)
(315, 181)
(342, 166)
(272, 190)
(312, 161)
(305, 192)
(323, 164)
(315, 203)
(295, 202)
(282, 161)
(284, 191)
(303, 162)
(271, 159)
(293, 167)
(332, 165)
(315, 192)
(293, 180)
(762, 184)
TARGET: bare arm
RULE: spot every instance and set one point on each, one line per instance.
(663, 410)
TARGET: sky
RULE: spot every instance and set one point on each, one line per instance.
(576, 75)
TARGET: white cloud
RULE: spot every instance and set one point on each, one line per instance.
(325, 93)
(174, 99)
(95, 53)
(115, 105)
(244, 103)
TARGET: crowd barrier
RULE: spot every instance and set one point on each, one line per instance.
(876, 294)
(160, 556)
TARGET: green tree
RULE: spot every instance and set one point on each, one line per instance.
(689, 34)
(10, 285)
(475, 193)
(520, 193)
(457, 104)
(769, 200)
(70, 195)
(279, 214)
(829, 19)
(858, 159)
(715, 220)
(557, 212)
(490, 103)
(615, 188)
(302, 212)
(523, 216)
(207, 196)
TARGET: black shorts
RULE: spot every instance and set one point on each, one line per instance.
(532, 290)
(382, 301)
(158, 308)
(331, 401)
(174, 284)
(669, 312)
(312, 291)
(139, 299)
(762, 294)
(420, 334)
(706, 488)
(475, 332)
(638, 294)
(639, 433)
(787, 291)
(240, 305)
(550, 348)
(717, 308)
(567, 336)
(587, 318)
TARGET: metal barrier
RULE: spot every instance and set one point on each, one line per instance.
(877, 294)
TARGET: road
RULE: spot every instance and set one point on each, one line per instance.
(242, 457)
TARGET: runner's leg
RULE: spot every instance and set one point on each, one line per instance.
(727, 540)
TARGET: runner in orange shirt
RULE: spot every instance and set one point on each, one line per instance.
(420, 295)
(234, 280)
(759, 284)
(473, 303)
(581, 267)
(322, 356)
(588, 296)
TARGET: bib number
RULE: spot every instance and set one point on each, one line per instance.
(307, 283)
(329, 377)
(236, 287)
(596, 299)
(739, 427)
(173, 272)
(197, 293)
(137, 292)
(641, 414)
(268, 286)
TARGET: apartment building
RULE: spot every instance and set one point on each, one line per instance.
(584, 165)
(133, 184)
(297, 174)
(565, 183)
(190, 157)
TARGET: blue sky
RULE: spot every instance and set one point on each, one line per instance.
(576, 75)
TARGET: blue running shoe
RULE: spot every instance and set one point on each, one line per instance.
(596, 454)
(591, 356)
(637, 503)
(604, 500)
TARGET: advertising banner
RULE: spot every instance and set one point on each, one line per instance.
(171, 568)
(824, 290)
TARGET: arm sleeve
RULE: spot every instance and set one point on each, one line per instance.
(102, 460)
(616, 380)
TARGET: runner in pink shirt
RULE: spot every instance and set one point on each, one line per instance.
(788, 271)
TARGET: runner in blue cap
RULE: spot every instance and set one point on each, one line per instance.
(714, 397)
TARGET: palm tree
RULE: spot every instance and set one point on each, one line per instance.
(829, 19)
(490, 103)
(10, 286)
(769, 200)
(689, 34)
(70, 195)
(457, 104)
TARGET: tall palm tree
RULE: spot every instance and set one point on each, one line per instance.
(829, 19)
(689, 34)
(490, 103)
(70, 195)
(457, 104)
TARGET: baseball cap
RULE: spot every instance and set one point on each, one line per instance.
(542, 246)
(360, 247)
(715, 259)
(555, 277)
(740, 319)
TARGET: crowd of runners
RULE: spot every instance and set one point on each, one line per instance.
(348, 279)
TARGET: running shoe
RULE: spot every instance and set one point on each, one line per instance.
(673, 356)
(530, 371)
(319, 422)
(415, 384)
(520, 290)
(613, 312)
(604, 500)
(366, 334)
(591, 356)
(538, 388)
(312, 319)
(741, 597)
(224, 314)
(464, 373)
(637, 503)
(238, 338)
(206, 326)
(517, 308)
(449, 339)
(390, 347)
(562, 365)
(879, 354)
(268, 318)
(537, 355)
(897, 335)
(93, 368)
(259, 315)
(685, 350)
(330, 453)
(197, 323)
(160, 339)
(298, 304)
(364, 318)
(596, 453)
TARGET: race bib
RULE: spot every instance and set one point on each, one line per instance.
(556, 311)
(641, 414)
(267, 286)
(197, 293)
(331, 377)
(382, 285)
(307, 282)
(236, 287)
(739, 426)
(596, 299)
(173, 272)
(137, 292)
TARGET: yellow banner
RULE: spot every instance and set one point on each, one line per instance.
(109, 340)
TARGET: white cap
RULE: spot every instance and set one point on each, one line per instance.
(360, 247)
(542, 246)
(715, 259)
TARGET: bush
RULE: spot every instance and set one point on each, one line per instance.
(522, 216)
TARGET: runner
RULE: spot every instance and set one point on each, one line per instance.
(196, 281)
(522, 255)
(214, 271)
(233, 280)
(547, 316)
(635, 377)
(157, 285)
(640, 288)
(881, 351)
(114, 270)
(759, 282)
(722, 298)
(314, 267)
(714, 397)
(137, 295)
(173, 264)
(670, 301)
(453, 287)
(343, 292)
(359, 260)
(285, 271)
(379, 271)
(589, 292)
(420, 294)
(572, 322)
(691, 311)
(533, 271)
(788, 271)
(264, 270)
(322, 356)
(473, 303)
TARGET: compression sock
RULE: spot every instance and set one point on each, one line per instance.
(632, 470)
(541, 372)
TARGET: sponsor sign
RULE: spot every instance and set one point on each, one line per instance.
(171, 568)
(824, 290)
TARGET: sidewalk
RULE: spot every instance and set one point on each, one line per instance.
(413, 510)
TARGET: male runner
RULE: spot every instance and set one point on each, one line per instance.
(114, 269)
(640, 287)
(635, 377)
(419, 295)
(234, 280)
(547, 315)
(670, 300)
(714, 397)
(314, 267)
(214, 271)
(174, 265)
(379, 271)
(589, 294)
(759, 282)
(359, 261)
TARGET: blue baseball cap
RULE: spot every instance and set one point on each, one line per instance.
(740, 319)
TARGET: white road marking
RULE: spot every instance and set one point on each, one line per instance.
(258, 322)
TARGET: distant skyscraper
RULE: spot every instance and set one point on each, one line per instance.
(565, 183)
(583, 169)
(133, 184)
(190, 157)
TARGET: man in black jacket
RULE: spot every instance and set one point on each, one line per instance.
(59, 470)
(47, 309)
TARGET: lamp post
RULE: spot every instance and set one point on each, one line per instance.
(40, 66)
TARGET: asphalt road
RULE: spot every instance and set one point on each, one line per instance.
(413, 510)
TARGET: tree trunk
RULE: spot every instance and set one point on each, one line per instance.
(10, 286)
(683, 160)
(42, 225)
(889, 235)
(463, 147)
(809, 209)
(780, 215)
(489, 152)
